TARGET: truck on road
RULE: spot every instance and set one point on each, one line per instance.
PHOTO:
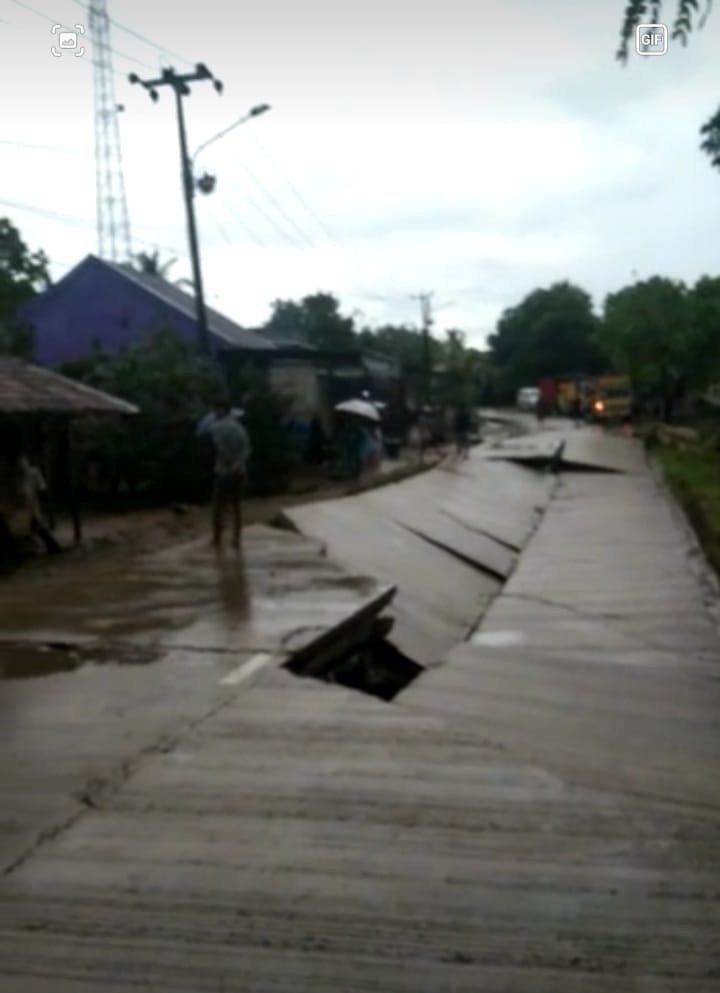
(612, 399)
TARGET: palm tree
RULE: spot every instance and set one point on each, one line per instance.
(149, 264)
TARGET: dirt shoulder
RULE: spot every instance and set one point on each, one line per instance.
(118, 535)
(693, 474)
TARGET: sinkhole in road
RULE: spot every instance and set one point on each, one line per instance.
(375, 667)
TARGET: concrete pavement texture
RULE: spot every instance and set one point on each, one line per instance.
(446, 539)
(99, 672)
(537, 813)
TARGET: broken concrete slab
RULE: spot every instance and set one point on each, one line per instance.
(304, 836)
(190, 596)
(438, 595)
(446, 539)
(100, 672)
(599, 659)
(591, 449)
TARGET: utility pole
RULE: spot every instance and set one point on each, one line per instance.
(426, 321)
(181, 89)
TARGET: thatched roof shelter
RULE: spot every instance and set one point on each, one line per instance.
(30, 389)
(34, 399)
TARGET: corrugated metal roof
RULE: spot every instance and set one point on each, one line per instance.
(219, 325)
(29, 389)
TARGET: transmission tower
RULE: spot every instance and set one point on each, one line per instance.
(113, 223)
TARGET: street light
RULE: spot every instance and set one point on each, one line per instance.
(261, 108)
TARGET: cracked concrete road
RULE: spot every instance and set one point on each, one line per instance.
(538, 813)
(102, 671)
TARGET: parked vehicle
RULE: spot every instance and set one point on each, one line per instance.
(527, 398)
(612, 399)
(549, 394)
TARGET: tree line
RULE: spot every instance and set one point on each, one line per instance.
(663, 333)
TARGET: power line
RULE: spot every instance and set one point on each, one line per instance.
(83, 62)
(140, 37)
(329, 234)
(294, 241)
(305, 240)
(278, 207)
(41, 148)
(69, 221)
(240, 221)
(52, 20)
(269, 219)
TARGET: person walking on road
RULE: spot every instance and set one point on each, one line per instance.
(232, 451)
(461, 430)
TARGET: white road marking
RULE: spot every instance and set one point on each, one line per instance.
(246, 669)
(498, 639)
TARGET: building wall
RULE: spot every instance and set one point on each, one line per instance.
(96, 307)
(300, 383)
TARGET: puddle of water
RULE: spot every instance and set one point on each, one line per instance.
(24, 661)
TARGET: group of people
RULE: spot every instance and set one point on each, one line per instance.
(23, 489)
(460, 427)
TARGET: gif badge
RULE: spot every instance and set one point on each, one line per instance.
(651, 39)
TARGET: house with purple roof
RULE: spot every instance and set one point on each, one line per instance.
(106, 306)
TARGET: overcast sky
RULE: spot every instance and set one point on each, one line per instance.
(476, 150)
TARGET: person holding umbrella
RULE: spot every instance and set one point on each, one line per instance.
(362, 418)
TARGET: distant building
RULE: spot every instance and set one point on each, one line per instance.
(108, 307)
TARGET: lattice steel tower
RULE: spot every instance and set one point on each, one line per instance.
(113, 222)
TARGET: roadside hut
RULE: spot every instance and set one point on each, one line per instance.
(37, 410)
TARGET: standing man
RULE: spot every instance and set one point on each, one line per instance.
(232, 451)
(461, 430)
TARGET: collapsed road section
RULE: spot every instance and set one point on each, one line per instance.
(447, 540)
(100, 672)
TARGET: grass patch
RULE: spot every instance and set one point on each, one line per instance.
(693, 475)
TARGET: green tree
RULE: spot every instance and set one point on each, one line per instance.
(460, 375)
(155, 454)
(648, 332)
(23, 273)
(315, 320)
(704, 321)
(401, 342)
(552, 332)
(689, 15)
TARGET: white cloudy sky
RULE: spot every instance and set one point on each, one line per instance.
(474, 149)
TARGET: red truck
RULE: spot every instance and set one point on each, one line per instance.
(548, 393)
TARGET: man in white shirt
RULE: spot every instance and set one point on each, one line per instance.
(232, 451)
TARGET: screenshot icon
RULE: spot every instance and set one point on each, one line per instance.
(68, 41)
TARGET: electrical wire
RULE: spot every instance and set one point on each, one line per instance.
(87, 63)
(304, 238)
(301, 239)
(329, 234)
(52, 20)
(240, 221)
(76, 222)
(268, 218)
(41, 148)
(138, 36)
(289, 238)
